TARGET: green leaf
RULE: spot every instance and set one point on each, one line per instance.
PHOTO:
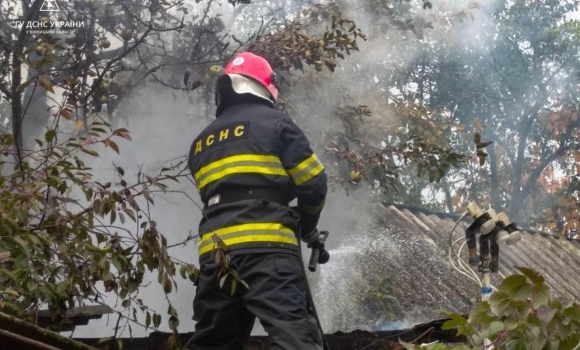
(565, 332)
(126, 303)
(89, 194)
(9, 274)
(233, 287)
(117, 263)
(244, 284)
(522, 293)
(101, 238)
(23, 85)
(130, 213)
(495, 327)
(518, 345)
(91, 152)
(194, 275)
(166, 284)
(171, 311)
(512, 283)
(148, 320)
(171, 342)
(481, 314)
(113, 216)
(31, 286)
(23, 244)
(107, 276)
(520, 309)
(546, 315)
(499, 303)
(182, 271)
(532, 275)
(34, 240)
(49, 135)
(61, 287)
(223, 280)
(542, 295)
(156, 320)
(455, 321)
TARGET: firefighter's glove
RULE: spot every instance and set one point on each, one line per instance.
(312, 238)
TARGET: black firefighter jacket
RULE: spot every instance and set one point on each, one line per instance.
(261, 159)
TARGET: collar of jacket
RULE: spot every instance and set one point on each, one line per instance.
(251, 100)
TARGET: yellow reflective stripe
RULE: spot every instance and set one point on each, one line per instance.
(279, 234)
(306, 170)
(241, 170)
(311, 209)
(248, 233)
(250, 239)
(303, 165)
(234, 159)
(309, 175)
(254, 226)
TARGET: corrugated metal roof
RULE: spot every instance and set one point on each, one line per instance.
(409, 247)
(557, 259)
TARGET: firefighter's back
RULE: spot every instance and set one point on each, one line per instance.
(249, 164)
(243, 183)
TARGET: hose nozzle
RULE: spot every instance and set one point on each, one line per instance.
(514, 234)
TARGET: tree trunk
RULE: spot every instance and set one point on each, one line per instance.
(495, 201)
(17, 112)
(448, 199)
(517, 195)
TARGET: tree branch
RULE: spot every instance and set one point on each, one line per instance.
(506, 148)
(193, 46)
(535, 174)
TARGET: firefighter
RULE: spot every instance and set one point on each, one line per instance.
(248, 165)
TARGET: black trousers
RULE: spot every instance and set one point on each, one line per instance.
(276, 296)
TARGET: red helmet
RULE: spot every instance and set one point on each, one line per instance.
(255, 67)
